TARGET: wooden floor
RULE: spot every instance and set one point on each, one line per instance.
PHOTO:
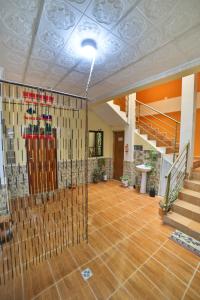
(129, 253)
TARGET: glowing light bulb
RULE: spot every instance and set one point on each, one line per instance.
(89, 48)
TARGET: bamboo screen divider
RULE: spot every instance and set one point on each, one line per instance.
(43, 190)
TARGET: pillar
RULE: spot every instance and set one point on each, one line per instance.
(188, 115)
(129, 139)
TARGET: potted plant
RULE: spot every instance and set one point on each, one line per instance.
(137, 187)
(130, 185)
(124, 180)
(96, 175)
(152, 191)
(104, 175)
(102, 168)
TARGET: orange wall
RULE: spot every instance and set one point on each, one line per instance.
(170, 89)
(121, 101)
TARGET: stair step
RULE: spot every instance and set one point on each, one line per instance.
(187, 209)
(190, 196)
(184, 224)
(196, 163)
(195, 174)
(192, 185)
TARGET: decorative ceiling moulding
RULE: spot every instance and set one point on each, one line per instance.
(108, 11)
(60, 14)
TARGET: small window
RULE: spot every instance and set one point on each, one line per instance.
(95, 143)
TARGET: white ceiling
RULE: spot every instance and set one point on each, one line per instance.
(138, 40)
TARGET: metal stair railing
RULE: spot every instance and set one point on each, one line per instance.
(161, 122)
(175, 179)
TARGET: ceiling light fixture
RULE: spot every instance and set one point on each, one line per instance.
(89, 48)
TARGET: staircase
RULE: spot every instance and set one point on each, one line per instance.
(159, 129)
(111, 113)
(185, 214)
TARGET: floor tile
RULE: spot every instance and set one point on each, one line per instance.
(111, 234)
(98, 242)
(144, 242)
(121, 294)
(49, 294)
(182, 252)
(142, 288)
(118, 262)
(82, 253)
(103, 283)
(62, 265)
(167, 282)
(136, 255)
(175, 264)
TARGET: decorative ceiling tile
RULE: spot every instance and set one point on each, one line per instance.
(19, 24)
(107, 11)
(151, 40)
(43, 53)
(132, 27)
(185, 16)
(27, 5)
(60, 14)
(189, 44)
(156, 10)
(52, 39)
(37, 65)
(14, 44)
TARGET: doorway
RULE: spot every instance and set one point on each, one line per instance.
(42, 164)
(118, 154)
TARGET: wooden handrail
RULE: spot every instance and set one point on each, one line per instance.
(159, 112)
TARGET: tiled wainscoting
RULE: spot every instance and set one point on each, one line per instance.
(17, 176)
(141, 157)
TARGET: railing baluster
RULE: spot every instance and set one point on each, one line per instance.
(179, 172)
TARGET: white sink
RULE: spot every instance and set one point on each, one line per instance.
(144, 169)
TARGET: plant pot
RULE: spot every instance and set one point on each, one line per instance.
(152, 192)
(125, 183)
(137, 188)
(95, 180)
(105, 177)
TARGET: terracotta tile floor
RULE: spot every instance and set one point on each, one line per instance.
(129, 253)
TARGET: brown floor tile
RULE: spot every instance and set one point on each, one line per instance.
(111, 234)
(103, 283)
(168, 283)
(119, 264)
(183, 253)
(175, 264)
(142, 288)
(191, 295)
(82, 253)
(120, 294)
(62, 265)
(74, 287)
(37, 279)
(123, 227)
(155, 235)
(49, 294)
(195, 284)
(98, 242)
(136, 255)
(144, 242)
